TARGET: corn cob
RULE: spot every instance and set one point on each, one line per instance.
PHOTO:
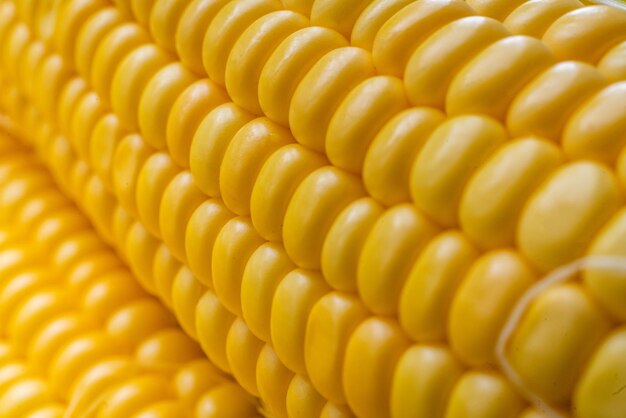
(79, 333)
(263, 311)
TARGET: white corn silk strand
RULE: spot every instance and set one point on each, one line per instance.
(609, 263)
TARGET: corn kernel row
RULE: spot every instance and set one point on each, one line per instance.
(307, 260)
(79, 333)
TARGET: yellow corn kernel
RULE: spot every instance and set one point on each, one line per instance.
(157, 101)
(79, 177)
(213, 322)
(585, 34)
(359, 117)
(493, 199)
(264, 271)
(244, 158)
(110, 52)
(234, 245)
(23, 396)
(87, 112)
(17, 39)
(303, 401)
(28, 65)
(533, 413)
(109, 293)
(300, 6)
(11, 372)
(534, 17)
(331, 322)
(71, 15)
(497, 9)
(373, 352)
(194, 21)
(371, 19)
(37, 207)
(164, 269)
(164, 19)
(122, 221)
(130, 79)
(50, 77)
(344, 243)
(405, 31)
(321, 91)
(202, 230)
(166, 348)
(606, 286)
(251, 52)
(483, 394)
(163, 409)
(97, 379)
(391, 247)
(15, 292)
(600, 389)
(84, 271)
(52, 229)
(78, 245)
(242, 351)
(449, 157)
(294, 298)
(105, 137)
(8, 14)
(51, 410)
(93, 31)
(484, 299)
(180, 200)
(140, 247)
(226, 27)
(387, 165)
(189, 109)
(195, 378)
(186, 293)
(226, 401)
(427, 392)
(432, 67)
(574, 325)
(141, 10)
(156, 173)
(73, 358)
(287, 66)
(339, 16)
(273, 380)
(545, 105)
(128, 160)
(275, 185)
(613, 64)
(32, 314)
(332, 410)
(596, 129)
(565, 213)
(134, 395)
(135, 321)
(100, 206)
(315, 204)
(491, 80)
(427, 294)
(26, 11)
(210, 142)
